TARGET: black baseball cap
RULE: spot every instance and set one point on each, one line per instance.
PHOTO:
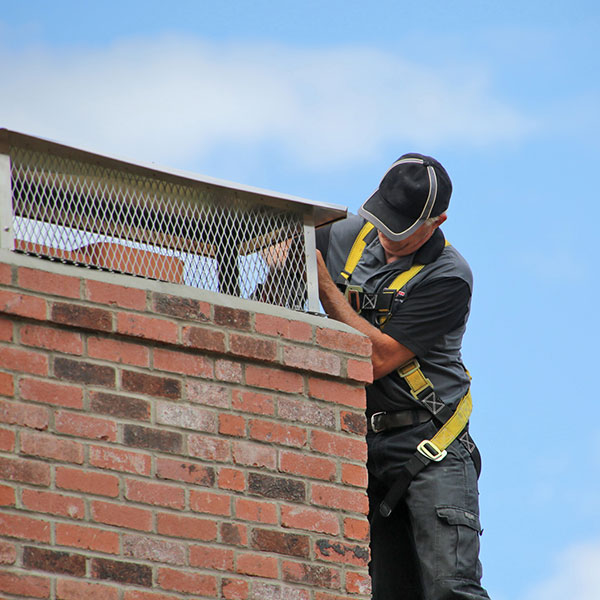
(414, 189)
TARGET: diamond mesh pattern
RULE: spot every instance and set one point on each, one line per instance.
(198, 235)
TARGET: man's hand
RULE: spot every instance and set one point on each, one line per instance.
(387, 353)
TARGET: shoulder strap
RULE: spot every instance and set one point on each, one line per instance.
(358, 247)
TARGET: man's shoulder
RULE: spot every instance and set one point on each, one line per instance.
(452, 263)
(345, 231)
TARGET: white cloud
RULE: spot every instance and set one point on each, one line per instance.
(171, 99)
(576, 575)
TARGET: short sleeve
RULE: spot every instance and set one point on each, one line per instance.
(430, 311)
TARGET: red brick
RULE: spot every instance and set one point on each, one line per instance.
(84, 317)
(208, 393)
(25, 471)
(228, 370)
(158, 494)
(353, 422)
(280, 542)
(116, 459)
(182, 308)
(121, 572)
(339, 445)
(182, 362)
(350, 343)
(234, 589)
(189, 472)
(7, 440)
(8, 553)
(339, 498)
(203, 338)
(249, 346)
(82, 425)
(52, 338)
(53, 503)
(257, 565)
(253, 402)
(119, 515)
(276, 488)
(335, 551)
(231, 479)
(234, 318)
(254, 455)
(210, 503)
(274, 379)
(234, 534)
(258, 511)
(115, 295)
(210, 557)
(307, 411)
(286, 328)
(50, 283)
(30, 586)
(310, 519)
(359, 370)
(89, 482)
(209, 449)
(143, 547)
(311, 574)
(6, 384)
(187, 527)
(187, 582)
(116, 405)
(86, 373)
(118, 351)
(22, 305)
(50, 392)
(316, 467)
(358, 583)
(6, 330)
(50, 446)
(51, 561)
(152, 439)
(23, 361)
(139, 595)
(5, 274)
(312, 359)
(149, 328)
(339, 393)
(18, 526)
(232, 425)
(152, 385)
(89, 538)
(354, 475)
(277, 433)
(69, 589)
(186, 417)
(356, 529)
(25, 415)
(7, 496)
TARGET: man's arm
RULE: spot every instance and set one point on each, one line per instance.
(387, 353)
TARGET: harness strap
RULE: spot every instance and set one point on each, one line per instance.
(358, 247)
(433, 450)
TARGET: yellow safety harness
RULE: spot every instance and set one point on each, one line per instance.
(453, 423)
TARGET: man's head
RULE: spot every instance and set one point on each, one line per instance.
(415, 189)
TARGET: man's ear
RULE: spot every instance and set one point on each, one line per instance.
(440, 220)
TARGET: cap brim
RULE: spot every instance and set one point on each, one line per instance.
(391, 223)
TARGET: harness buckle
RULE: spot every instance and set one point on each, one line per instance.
(429, 450)
(353, 296)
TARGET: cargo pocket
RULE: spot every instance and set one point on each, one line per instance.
(458, 542)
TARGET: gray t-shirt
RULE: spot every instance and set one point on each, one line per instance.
(429, 319)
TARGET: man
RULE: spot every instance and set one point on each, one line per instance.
(390, 274)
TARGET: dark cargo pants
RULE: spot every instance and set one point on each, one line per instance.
(428, 549)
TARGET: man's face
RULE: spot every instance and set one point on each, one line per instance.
(395, 250)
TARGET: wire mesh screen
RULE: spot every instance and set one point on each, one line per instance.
(198, 235)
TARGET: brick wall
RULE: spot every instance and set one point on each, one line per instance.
(158, 445)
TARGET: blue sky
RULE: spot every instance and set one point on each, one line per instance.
(316, 99)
